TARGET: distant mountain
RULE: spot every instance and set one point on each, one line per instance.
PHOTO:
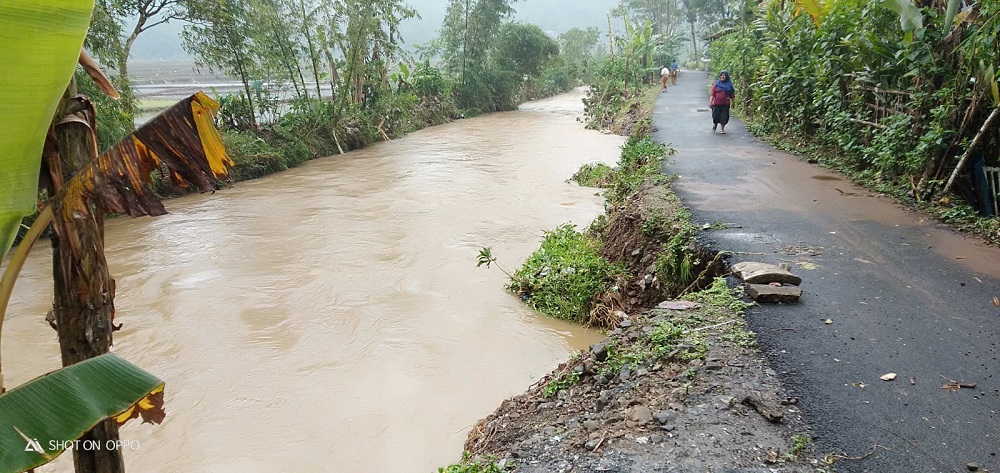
(554, 16)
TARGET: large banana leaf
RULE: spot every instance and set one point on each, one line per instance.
(817, 9)
(910, 16)
(40, 43)
(39, 419)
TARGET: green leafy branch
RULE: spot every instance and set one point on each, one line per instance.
(486, 258)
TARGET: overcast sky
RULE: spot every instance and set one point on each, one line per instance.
(554, 16)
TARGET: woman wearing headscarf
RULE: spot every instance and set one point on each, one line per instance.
(720, 100)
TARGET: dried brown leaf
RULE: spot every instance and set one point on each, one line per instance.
(149, 408)
(95, 72)
(182, 139)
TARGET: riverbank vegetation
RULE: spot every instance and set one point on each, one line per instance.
(687, 370)
(901, 98)
(323, 78)
(643, 250)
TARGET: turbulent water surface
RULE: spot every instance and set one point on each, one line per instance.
(331, 317)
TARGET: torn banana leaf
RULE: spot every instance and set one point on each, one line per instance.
(182, 142)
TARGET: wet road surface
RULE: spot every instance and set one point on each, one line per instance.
(905, 294)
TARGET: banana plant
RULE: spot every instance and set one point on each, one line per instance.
(40, 43)
(40, 46)
(817, 9)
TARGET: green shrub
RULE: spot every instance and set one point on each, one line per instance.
(592, 175)
(720, 295)
(477, 465)
(253, 157)
(428, 81)
(641, 160)
(564, 275)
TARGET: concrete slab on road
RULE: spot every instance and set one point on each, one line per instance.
(905, 295)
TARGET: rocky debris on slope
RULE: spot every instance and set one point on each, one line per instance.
(676, 391)
(638, 235)
(768, 283)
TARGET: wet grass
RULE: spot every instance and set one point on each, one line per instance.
(562, 277)
(146, 105)
(681, 335)
(592, 175)
(477, 465)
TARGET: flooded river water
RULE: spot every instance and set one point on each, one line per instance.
(331, 317)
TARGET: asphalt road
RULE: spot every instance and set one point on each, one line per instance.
(905, 295)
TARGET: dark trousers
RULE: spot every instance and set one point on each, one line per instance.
(720, 114)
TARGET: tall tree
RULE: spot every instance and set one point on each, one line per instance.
(277, 41)
(469, 28)
(368, 37)
(148, 14)
(525, 49)
(217, 37)
(662, 14)
(306, 15)
(468, 37)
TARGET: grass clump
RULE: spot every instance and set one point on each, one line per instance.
(682, 336)
(469, 464)
(674, 337)
(562, 277)
(592, 175)
(641, 161)
(799, 444)
(562, 382)
(720, 295)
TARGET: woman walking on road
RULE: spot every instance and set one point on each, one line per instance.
(720, 100)
(664, 75)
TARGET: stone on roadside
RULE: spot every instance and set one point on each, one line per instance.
(664, 417)
(763, 273)
(678, 305)
(774, 294)
(599, 351)
(640, 414)
(625, 373)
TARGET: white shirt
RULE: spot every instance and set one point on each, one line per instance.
(665, 72)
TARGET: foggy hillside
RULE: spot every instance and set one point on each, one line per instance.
(553, 16)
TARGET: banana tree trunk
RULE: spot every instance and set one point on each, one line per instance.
(84, 289)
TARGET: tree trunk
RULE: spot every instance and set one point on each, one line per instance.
(968, 151)
(313, 55)
(694, 44)
(84, 289)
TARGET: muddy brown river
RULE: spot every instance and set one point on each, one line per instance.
(331, 317)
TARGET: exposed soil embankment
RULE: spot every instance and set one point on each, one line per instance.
(706, 404)
(651, 235)
(677, 386)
